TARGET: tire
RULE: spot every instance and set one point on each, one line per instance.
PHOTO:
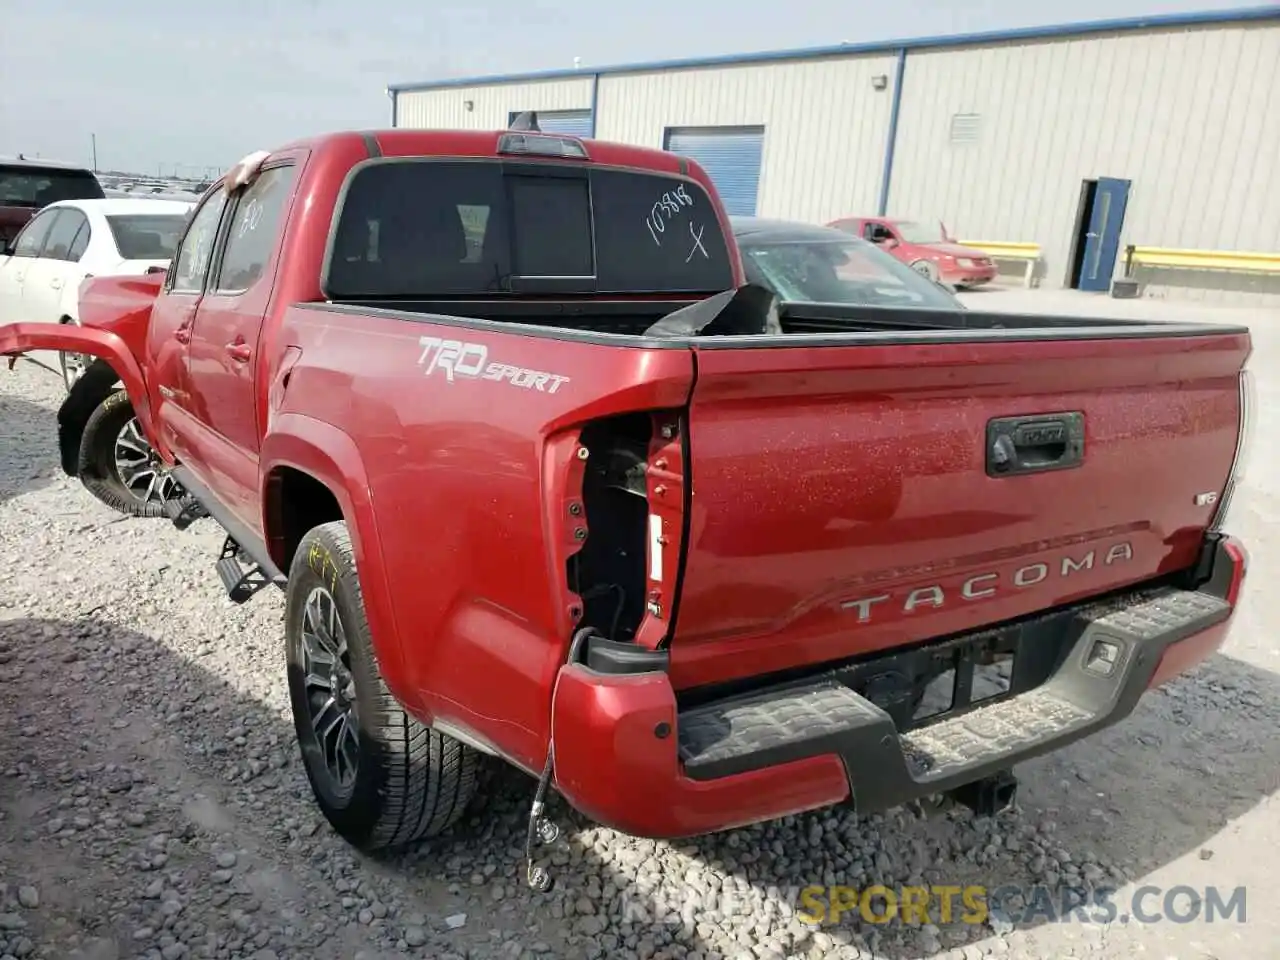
(400, 780)
(925, 269)
(118, 466)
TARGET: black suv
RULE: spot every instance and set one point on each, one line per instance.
(27, 186)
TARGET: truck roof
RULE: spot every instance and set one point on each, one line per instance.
(402, 142)
(40, 163)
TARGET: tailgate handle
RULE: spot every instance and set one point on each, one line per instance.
(1034, 444)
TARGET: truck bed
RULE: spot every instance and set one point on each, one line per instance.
(836, 495)
(819, 324)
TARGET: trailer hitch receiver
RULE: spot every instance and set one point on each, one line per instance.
(988, 796)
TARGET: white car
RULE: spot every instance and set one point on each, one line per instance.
(69, 241)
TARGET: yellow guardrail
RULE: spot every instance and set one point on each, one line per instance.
(1177, 259)
(1006, 250)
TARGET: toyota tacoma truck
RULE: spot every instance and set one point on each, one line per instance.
(544, 480)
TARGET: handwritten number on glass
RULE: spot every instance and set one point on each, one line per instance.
(697, 243)
(669, 206)
(252, 217)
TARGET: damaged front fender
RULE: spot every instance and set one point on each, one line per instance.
(20, 338)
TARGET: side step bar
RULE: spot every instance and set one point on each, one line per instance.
(244, 565)
(241, 577)
(184, 511)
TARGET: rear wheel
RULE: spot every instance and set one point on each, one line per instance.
(381, 778)
(117, 464)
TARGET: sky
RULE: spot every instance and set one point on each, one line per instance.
(180, 88)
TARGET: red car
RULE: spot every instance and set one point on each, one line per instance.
(545, 480)
(926, 248)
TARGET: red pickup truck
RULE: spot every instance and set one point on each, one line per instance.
(543, 480)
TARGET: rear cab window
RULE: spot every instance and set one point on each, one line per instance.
(146, 236)
(411, 228)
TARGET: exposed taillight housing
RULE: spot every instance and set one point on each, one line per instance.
(619, 492)
(666, 487)
(1244, 445)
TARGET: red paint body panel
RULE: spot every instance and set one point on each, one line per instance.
(456, 483)
(1189, 653)
(611, 766)
(825, 476)
(103, 342)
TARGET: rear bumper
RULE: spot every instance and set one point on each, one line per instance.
(627, 756)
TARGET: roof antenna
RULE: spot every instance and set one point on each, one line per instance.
(527, 121)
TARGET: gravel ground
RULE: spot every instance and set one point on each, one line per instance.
(152, 804)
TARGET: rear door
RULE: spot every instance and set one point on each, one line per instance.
(172, 318)
(54, 273)
(27, 247)
(224, 358)
(850, 499)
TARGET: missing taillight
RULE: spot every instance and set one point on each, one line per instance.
(632, 499)
(608, 573)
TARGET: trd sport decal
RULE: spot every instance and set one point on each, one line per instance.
(459, 360)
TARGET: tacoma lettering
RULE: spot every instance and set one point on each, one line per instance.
(985, 585)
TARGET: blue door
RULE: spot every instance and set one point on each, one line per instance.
(575, 123)
(1102, 242)
(731, 156)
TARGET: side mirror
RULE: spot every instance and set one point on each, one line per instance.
(7, 249)
(889, 243)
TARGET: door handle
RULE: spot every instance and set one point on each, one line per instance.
(183, 333)
(1017, 445)
(55, 283)
(239, 351)
(1092, 235)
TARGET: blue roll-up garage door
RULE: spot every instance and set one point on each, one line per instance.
(576, 123)
(730, 155)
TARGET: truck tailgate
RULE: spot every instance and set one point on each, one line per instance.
(848, 499)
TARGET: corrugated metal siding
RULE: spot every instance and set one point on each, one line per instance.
(576, 123)
(825, 125)
(1191, 116)
(730, 156)
(446, 109)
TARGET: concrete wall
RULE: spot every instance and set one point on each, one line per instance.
(1191, 116)
(824, 124)
(491, 105)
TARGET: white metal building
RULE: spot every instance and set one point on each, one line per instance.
(1083, 139)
